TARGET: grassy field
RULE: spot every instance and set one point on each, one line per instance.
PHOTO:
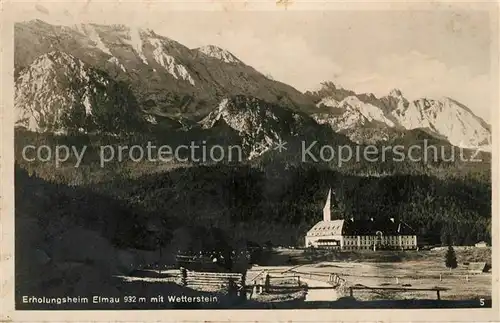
(300, 256)
(411, 274)
(409, 269)
(402, 269)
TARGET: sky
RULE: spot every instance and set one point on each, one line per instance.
(424, 52)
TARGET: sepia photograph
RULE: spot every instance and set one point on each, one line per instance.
(240, 159)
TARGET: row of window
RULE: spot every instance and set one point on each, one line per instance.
(371, 248)
(386, 238)
(353, 243)
(328, 244)
(369, 238)
(327, 228)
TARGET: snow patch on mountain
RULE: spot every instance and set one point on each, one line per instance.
(350, 112)
(86, 104)
(178, 71)
(444, 116)
(219, 53)
(58, 93)
(259, 124)
(235, 118)
(369, 111)
(343, 121)
(115, 60)
(42, 95)
(90, 31)
(328, 102)
(136, 42)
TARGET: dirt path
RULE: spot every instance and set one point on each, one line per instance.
(319, 294)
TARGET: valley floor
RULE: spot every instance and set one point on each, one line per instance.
(304, 285)
(409, 269)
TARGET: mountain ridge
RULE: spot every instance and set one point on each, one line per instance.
(169, 81)
(59, 92)
(164, 74)
(345, 110)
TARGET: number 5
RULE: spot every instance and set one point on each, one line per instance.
(481, 301)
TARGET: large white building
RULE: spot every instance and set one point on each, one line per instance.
(359, 234)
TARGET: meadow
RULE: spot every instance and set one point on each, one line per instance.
(396, 269)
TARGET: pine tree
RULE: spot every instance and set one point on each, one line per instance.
(451, 258)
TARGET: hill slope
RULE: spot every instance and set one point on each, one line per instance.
(166, 77)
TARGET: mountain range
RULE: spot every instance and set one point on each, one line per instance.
(348, 112)
(117, 79)
(97, 85)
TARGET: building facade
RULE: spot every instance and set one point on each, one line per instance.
(359, 234)
(481, 244)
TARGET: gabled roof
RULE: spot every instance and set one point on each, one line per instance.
(371, 227)
(359, 227)
(326, 228)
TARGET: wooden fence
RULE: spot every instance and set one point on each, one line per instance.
(265, 283)
(398, 289)
(233, 282)
(335, 279)
(266, 280)
(192, 262)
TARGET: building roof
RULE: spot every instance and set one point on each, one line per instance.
(360, 227)
(371, 227)
(326, 228)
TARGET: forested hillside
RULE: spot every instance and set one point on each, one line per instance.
(88, 87)
(276, 203)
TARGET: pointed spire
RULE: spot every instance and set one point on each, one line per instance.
(327, 212)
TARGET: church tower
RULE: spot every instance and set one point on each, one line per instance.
(327, 210)
(331, 204)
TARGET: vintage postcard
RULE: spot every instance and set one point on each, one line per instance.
(249, 161)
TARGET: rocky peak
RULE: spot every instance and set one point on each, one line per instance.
(396, 93)
(328, 86)
(59, 92)
(58, 57)
(260, 124)
(219, 53)
(50, 66)
(444, 117)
